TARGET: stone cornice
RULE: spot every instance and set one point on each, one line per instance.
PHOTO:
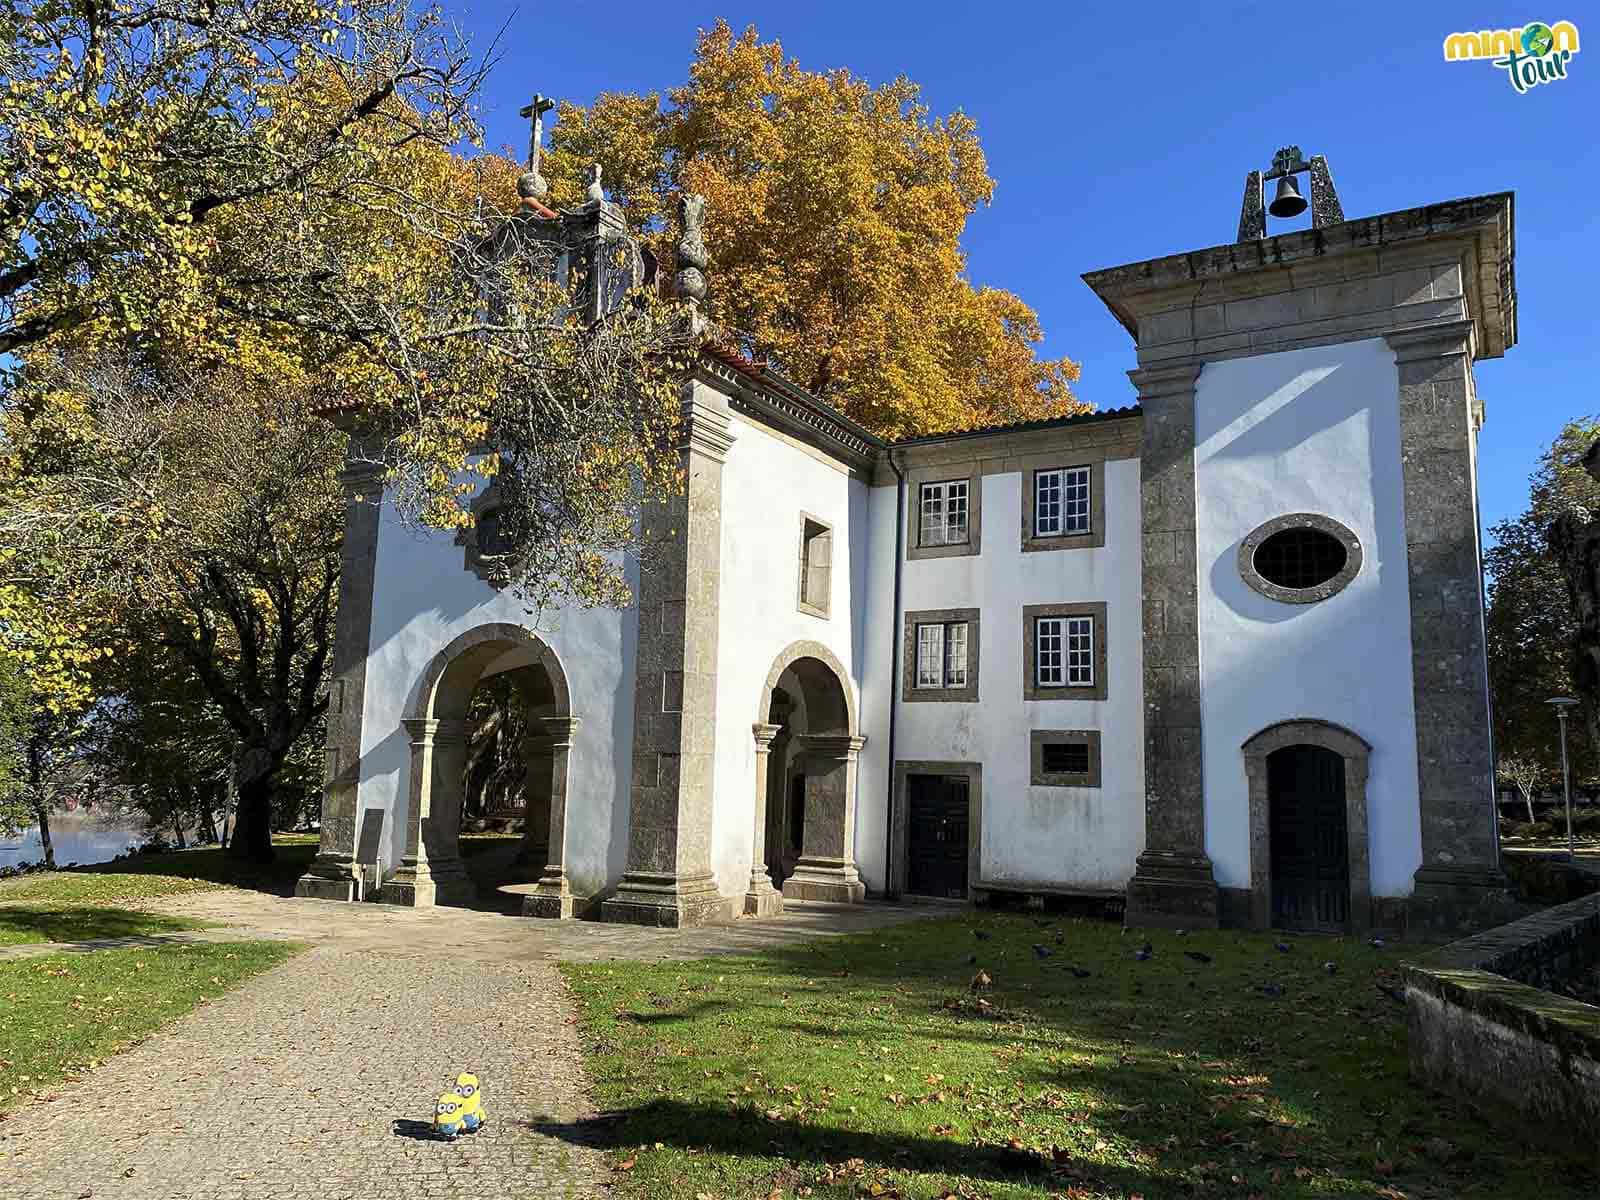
(757, 393)
(1477, 233)
(1443, 340)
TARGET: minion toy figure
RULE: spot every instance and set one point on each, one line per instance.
(471, 1101)
(449, 1116)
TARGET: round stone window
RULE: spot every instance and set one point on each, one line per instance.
(1300, 558)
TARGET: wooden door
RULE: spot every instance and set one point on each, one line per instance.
(937, 835)
(1309, 839)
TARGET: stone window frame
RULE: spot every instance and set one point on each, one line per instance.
(912, 694)
(1322, 591)
(485, 566)
(1039, 777)
(1095, 536)
(900, 867)
(1356, 753)
(1031, 613)
(808, 607)
(964, 472)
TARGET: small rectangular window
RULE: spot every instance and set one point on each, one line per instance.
(1065, 758)
(816, 566)
(942, 655)
(1061, 501)
(1064, 651)
(943, 519)
(1080, 651)
(1047, 649)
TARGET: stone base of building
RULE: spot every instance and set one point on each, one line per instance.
(665, 900)
(762, 899)
(426, 885)
(328, 879)
(1172, 891)
(827, 880)
(1451, 901)
(552, 901)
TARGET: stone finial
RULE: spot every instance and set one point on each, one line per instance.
(692, 257)
(592, 191)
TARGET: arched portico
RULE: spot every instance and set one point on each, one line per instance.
(1354, 752)
(431, 870)
(806, 744)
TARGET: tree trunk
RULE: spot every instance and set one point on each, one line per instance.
(43, 813)
(1527, 798)
(177, 828)
(252, 818)
(206, 831)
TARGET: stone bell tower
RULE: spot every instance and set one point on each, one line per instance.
(1321, 378)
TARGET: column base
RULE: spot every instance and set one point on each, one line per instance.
(830, 880)
(761, 899)
(423, 885)
(552, 901)
(666, 900)
(1172, 891)
(330, 877)
(1451, 901)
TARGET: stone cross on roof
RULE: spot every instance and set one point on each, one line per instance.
(532, 183)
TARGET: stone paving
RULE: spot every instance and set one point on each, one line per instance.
(290, 1086)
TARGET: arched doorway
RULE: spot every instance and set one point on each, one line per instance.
(1308, 827)
(431, 870)
(805, 784)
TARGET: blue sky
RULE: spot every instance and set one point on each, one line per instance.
(1121, 132)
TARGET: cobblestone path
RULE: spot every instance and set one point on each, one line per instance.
(290, 1086)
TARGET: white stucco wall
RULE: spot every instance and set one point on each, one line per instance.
(424, 598)
(1070, 838)
(1313, 430)
(767, 483)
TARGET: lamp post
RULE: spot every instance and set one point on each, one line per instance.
(1561, 705)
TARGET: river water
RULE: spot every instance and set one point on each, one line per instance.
(77, 837)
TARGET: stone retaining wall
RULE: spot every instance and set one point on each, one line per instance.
(1481, 1028)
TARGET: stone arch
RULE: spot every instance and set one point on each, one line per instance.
(431, 869)
(1356, 753)
(818, 731)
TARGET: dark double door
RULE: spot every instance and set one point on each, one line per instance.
(937, 835)
(1309, 841)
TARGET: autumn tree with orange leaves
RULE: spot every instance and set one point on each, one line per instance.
(835, 210)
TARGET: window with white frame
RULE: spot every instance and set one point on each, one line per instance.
(1061, 502)
(1064, 652)
(942, 655)
(944, 513)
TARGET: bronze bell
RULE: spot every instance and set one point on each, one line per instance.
(1288, 202)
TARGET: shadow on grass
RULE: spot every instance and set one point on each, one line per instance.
(747, 1132)
(212, 864)
(26, 924)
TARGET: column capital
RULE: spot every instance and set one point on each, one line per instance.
(1169, 379)
(764, 734)
(435, 731)
(707, 430)
(1441, 339)
(833, 745)
(559, 729)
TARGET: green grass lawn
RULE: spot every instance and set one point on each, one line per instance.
(21, 923)
(866, 1065)
(63, 1014)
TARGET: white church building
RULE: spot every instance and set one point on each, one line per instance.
(1218, 652)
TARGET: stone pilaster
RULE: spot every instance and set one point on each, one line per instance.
(1459, 885)
(761, 899)
(553, 897)
(431, 871)
(827, 866)
(537, 785)
(667, 879)
(332, 874)
(1172, 883)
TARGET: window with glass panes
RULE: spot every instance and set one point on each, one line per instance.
(944, 513)
(942, 655)
(1064, 650)
(1061, 501)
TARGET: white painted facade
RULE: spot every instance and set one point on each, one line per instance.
(1317, 431)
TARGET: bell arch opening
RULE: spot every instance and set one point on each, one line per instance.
(490, 728)
(807, 747)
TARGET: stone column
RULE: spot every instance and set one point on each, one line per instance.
(332, 874)
(761, 899)
(553, 898)
(537, 788)
(1459, 885)
(431, 872)
(1172, 884)
(827, 867)
(668, 880)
